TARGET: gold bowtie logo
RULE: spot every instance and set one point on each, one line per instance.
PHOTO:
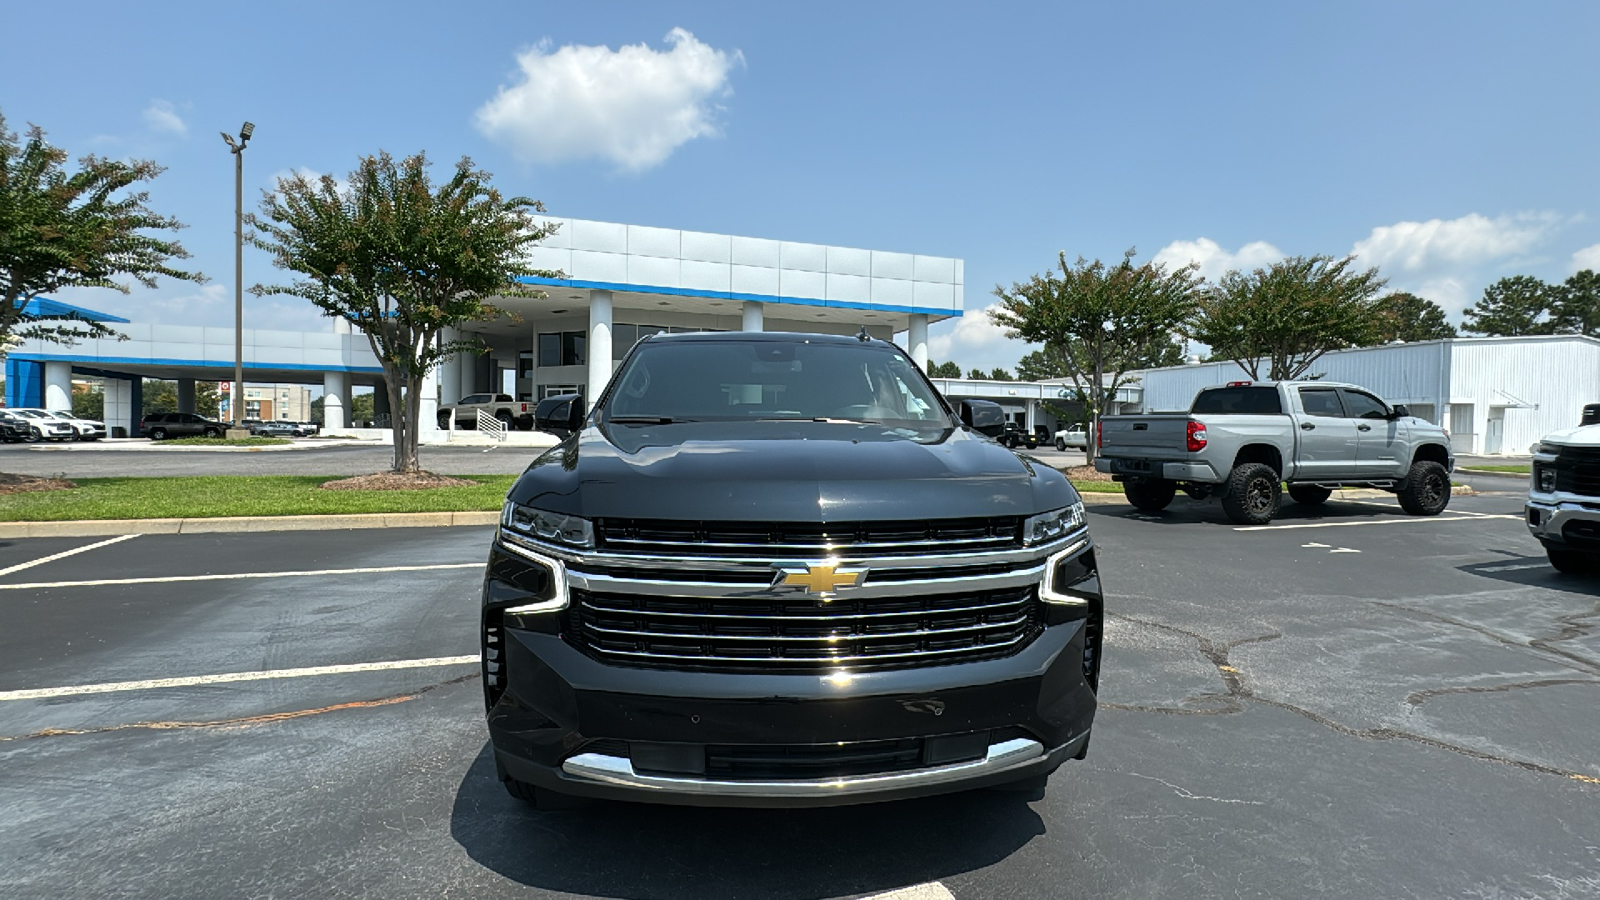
(822, 578)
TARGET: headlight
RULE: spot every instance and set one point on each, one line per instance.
(1551, 449)
(1544, 479)
(1053, 525)
(557, 528)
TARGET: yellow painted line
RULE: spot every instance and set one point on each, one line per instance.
(171, 579)
(65, 554)
(75, 690)
(1586, 779)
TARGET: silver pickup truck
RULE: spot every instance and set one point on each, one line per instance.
(1564, 499)
(1242, 441)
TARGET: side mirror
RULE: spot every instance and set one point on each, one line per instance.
(1400, 411)
(983, 417)
(560, 416)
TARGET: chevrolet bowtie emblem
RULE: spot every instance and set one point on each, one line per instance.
(819, 578)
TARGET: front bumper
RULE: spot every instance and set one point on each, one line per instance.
(1566, 523)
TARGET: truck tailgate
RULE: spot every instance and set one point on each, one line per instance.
(1160, 435)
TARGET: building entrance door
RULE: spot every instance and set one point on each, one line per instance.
(1494, 435)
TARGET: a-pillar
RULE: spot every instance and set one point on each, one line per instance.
(753, 313)
(186, 395)
(335, 391)
(58, 386)
(599, 344)
(919, 339)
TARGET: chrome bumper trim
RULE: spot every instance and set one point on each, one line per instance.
(615, 770)
(1553, 517)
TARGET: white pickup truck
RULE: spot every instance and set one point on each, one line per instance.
(1243, 440)
(1564, 499)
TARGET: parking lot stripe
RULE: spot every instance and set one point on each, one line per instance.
(39, 562)
(1408, 519)
(75, 690)
(168, 579)
(933, 890)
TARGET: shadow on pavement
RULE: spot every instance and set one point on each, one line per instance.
(1534, 571)
(637, 850)
(1185, 511)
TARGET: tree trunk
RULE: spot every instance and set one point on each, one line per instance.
(1089, 445)
(398, 420)
(406, 426)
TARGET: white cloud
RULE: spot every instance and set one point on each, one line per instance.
(1453, 243)
(1215, 261)
(207, 304)
(1587, 258)
(162, 116)
(973, 341)
(632, 105)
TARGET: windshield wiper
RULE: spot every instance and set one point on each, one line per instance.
(645, 420)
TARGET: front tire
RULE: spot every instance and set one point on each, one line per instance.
(1427, 490)
(1150, 496)
(1309, 494)
(1061, 445)
(158, 434)
(1254, 492)
(1570, 562)
(535, 796)
(213, 432)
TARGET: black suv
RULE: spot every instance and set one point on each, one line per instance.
(160, 426)
(14, 430)
(782, 570)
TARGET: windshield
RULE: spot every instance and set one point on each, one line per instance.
(734, 380)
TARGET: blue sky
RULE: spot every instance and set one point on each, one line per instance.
(1447, 143)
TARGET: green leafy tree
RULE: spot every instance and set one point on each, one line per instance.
(1278, 321)
(64, 229)
(401, 261)
(361, 407)
(999, 374)
(1576, 309)
(89, 403)
(1407, 317)
(1513, 306)
(944, 370)
(1113, 317)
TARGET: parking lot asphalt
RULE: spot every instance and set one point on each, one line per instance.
(1349, 702)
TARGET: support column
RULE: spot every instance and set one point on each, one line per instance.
(335, 409)
(428, 413)
(918, 338)
(599, 344)
(120, 411)
(58, 386)
(449, 370)
(753, 314)
(467, 365)
(380, 403)
(341, 325)
(186, 395)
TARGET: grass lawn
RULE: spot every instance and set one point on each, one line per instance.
(1512, 470)
(1098, 487)
(226, 442)
(260, 495)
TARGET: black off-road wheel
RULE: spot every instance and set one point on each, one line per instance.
(1571, 562)
(1152, 495)
(1253, 494)
(1427, 490)
(1309, 494)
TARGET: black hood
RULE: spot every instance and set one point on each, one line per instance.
(787, 471)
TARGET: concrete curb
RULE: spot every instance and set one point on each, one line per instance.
(238, 524)
(167, 448)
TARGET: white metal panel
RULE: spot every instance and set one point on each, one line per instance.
(1542, 384)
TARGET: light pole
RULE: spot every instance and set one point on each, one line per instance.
(236, 403)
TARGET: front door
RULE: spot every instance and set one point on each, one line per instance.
(1328, 441)
(1384, 442)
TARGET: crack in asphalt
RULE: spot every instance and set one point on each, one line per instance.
(1238, 693)
(1417, 698)
(242, 721)
(1572, 627)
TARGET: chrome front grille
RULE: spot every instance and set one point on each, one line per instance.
(846, 540)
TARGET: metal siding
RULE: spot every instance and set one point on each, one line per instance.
(1543, 384)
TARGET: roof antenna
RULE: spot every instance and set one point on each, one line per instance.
(863, 337)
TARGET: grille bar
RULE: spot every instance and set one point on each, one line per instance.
(826, 662)
(843, 539)
(822, 617)
(834, 638)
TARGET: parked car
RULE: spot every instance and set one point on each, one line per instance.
(277, 429)
(1014, 436)
(88, 429)
(511, 412)
(14, 429)
(782, 570)
(1242, 441)
(46, 426)
(160, 426)
(1076, 437)
(1563, 509)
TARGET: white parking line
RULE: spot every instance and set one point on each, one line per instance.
(169, 579)
(933, 890)
(1405, 521)
(65, 554)
(229, 677)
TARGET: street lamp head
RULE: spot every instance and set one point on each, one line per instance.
(248, 130)
(232, 144)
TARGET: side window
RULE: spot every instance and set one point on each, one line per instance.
(502, 398)
(1364, 406)
(1323, 402)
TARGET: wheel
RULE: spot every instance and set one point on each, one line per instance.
(1253, 494)
(535, 796)
(1061, 445)
(1150, 496)
(505, 419)
(1033, 445)
(1569, 561)
(1309, 494)
(158, 434)
(213, 432)
(34, 436)
(1427, 490)
(444, 421)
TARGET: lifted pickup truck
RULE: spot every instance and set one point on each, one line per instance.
(782, 570)
(512, 413)
(1243, 440)
(1564, 499)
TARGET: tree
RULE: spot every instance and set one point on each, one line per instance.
(1112, 317)
(61, 229)
(999, 374)
(1576, 307)
(162, 396)
(1407, 317)
(944, 370)
(89, 403)
(1512, 306)
(401, 261)
(1276, 322)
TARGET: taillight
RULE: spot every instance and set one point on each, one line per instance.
(524, 407)
(1196, 438)
(1099, 434)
